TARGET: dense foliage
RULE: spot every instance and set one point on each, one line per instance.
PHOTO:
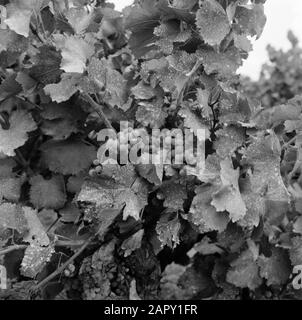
(280, 78)
(71, 228)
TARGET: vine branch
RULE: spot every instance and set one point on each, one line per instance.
(58, 243)
(63, 266)
(287, 144)
(99, 110)
(13, 248)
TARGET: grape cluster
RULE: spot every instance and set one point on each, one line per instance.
(130, 137)
(121, 281)
(72, 289)
(166, 146)
(69, 271)
(97, 169)
(95, 281)
(103, 277)
(123, 143)
(172, 145)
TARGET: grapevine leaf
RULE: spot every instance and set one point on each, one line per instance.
(46, 65)
(244, 272)
(204, 215)
(183, 283)
(6, 167)
(21, 122)
(151, 114)
(243, 43)
(65, 89)
(12, 42)
(295, 251)
(60, 120)
(193, 121)
(129, 192)
(228, 197)
(36, 232)
(174, 194)
(276, 269)
(10, 189)
(255, 203)
(133, 243)
(205, 247)
(79, 19)
(167, 229)
(142, 91)
(203, 98)
(235, 109)
(228, 140)
(224, 64)
(67, 157)
(48, 194)
(232, 238)
(75, 53)
(54, 111)
(271, 117)
(209, 174)
(27, 83)
(35, 259)
(152, 173)
(266, 181)
(182, 61)
(75, 183)
(169, 282)
(47, 217)
(251, 20)
(9, 87)
(177, 72)
(19, 14)
(184, 4)
(169, 33)
(12, 216)
(141, 21)
(59, 129)
(104, 76)
(212, 22)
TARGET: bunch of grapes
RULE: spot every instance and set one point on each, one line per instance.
(95, 282)
(121, 282)
(72, 289)
(70, 270)
(135, 145)
(102, 277)
(176, 156)
(122, 144)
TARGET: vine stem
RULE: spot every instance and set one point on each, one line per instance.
(58, 243)
(189, 75)
(99, 110)
(13, 248)
(286, 145)
(61, 243)
(21, 158)
(63, 266)
(23, 161)
(195, 68)
(36, 33)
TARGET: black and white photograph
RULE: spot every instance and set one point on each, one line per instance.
(150, 153)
